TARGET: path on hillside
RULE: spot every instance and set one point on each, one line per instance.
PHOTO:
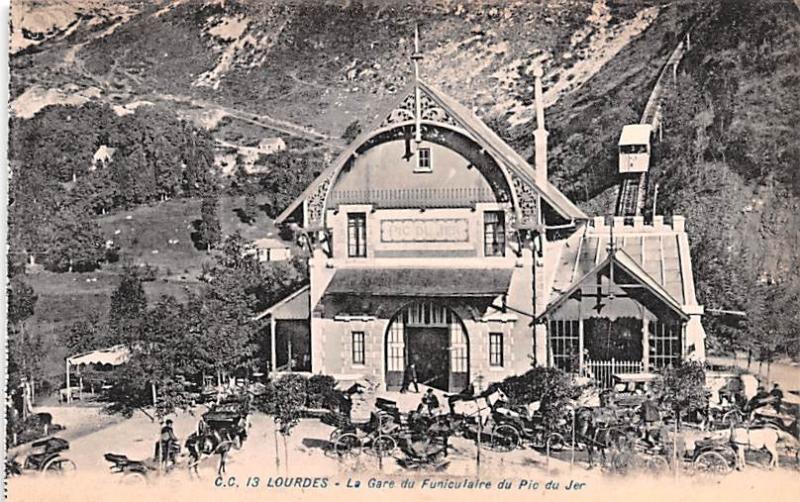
(786, 375)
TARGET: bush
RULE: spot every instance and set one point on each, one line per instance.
(683, 388)
(322, 393)
(553, 387)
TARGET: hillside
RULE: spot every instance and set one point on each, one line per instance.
(271, 87)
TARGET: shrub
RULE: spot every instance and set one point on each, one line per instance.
(552, 386)
(322, 392)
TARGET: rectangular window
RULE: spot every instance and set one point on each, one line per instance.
(495, 349)
(494, 233)
(565, 344)
(424, 164)
(358, 347)
(357, 235)
(665, 344)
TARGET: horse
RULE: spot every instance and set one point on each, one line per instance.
(757, 439)
(597, 429)
(205, 442)
(479, 406)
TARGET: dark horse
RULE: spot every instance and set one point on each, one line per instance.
(598, 429)
(206, 442)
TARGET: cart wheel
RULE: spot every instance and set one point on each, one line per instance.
(623, 462)
(348, 444)
(657, 465)
(505, 438)
(335, 433)
(731, 418)
(133, 478)
(711, 463)
(60, 467)
(383, 445)
(556, 441)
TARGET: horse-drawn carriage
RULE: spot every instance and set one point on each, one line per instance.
(45, 458)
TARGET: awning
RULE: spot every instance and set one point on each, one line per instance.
(119, 354)
(420, 282)
(294, 307)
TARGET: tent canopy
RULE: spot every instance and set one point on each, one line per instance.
(116, 355)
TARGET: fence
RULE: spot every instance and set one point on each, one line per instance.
(602, 371)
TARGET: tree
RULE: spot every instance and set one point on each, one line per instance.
(290, 397)
(552, 386)
(128, 305)
(250, 210)
(210, 230)
(75, 243)
(683, 388)
(352, 131)
(163, 361)
(85, 335)
(25, 349)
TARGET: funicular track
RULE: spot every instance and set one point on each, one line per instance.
(632, 193)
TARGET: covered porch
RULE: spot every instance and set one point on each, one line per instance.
(288, 347)
(614, 320)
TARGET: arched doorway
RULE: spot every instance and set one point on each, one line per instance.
(434, 338)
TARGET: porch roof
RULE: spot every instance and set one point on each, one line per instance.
(658, 254)
(296, 306)
(627, 264)
(422, 282)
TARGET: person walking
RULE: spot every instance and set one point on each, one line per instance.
(409, 377)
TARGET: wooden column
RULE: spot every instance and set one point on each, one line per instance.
(581, 362)
(69, 391)
(272, 344)
(645, 344)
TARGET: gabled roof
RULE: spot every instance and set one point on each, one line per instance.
(656, 255)
(620, 259)
(296, 306)
(479, 132)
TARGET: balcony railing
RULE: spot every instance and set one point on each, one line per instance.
(405, 198)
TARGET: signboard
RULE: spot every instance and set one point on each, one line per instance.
(429, 230)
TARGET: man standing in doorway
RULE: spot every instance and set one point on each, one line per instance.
(409, 377)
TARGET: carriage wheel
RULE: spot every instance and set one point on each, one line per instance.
(711, 463)
(657, 465)
(335, 433)
(60, 467)
(505, 438)
(623, 462)
(133, 478)
(731, 418)
(348, 444)
(556, 441)
(383, 446)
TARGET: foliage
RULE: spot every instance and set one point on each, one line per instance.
(86, 334)
(128, 304)
(290, 398)
(250, 210)
(210, 231)
(26, 350)
(322, 393)
(21, 300)
(552, 386)
(683, 388)
(57, 186)
(352, 131)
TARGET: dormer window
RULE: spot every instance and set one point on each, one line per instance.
(424, 164)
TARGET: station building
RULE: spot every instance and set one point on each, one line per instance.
(432, 241)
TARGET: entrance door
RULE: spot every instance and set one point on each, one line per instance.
(429, 348)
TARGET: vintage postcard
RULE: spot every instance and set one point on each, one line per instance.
(412, 249)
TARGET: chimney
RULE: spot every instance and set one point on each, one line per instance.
(540, 134)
